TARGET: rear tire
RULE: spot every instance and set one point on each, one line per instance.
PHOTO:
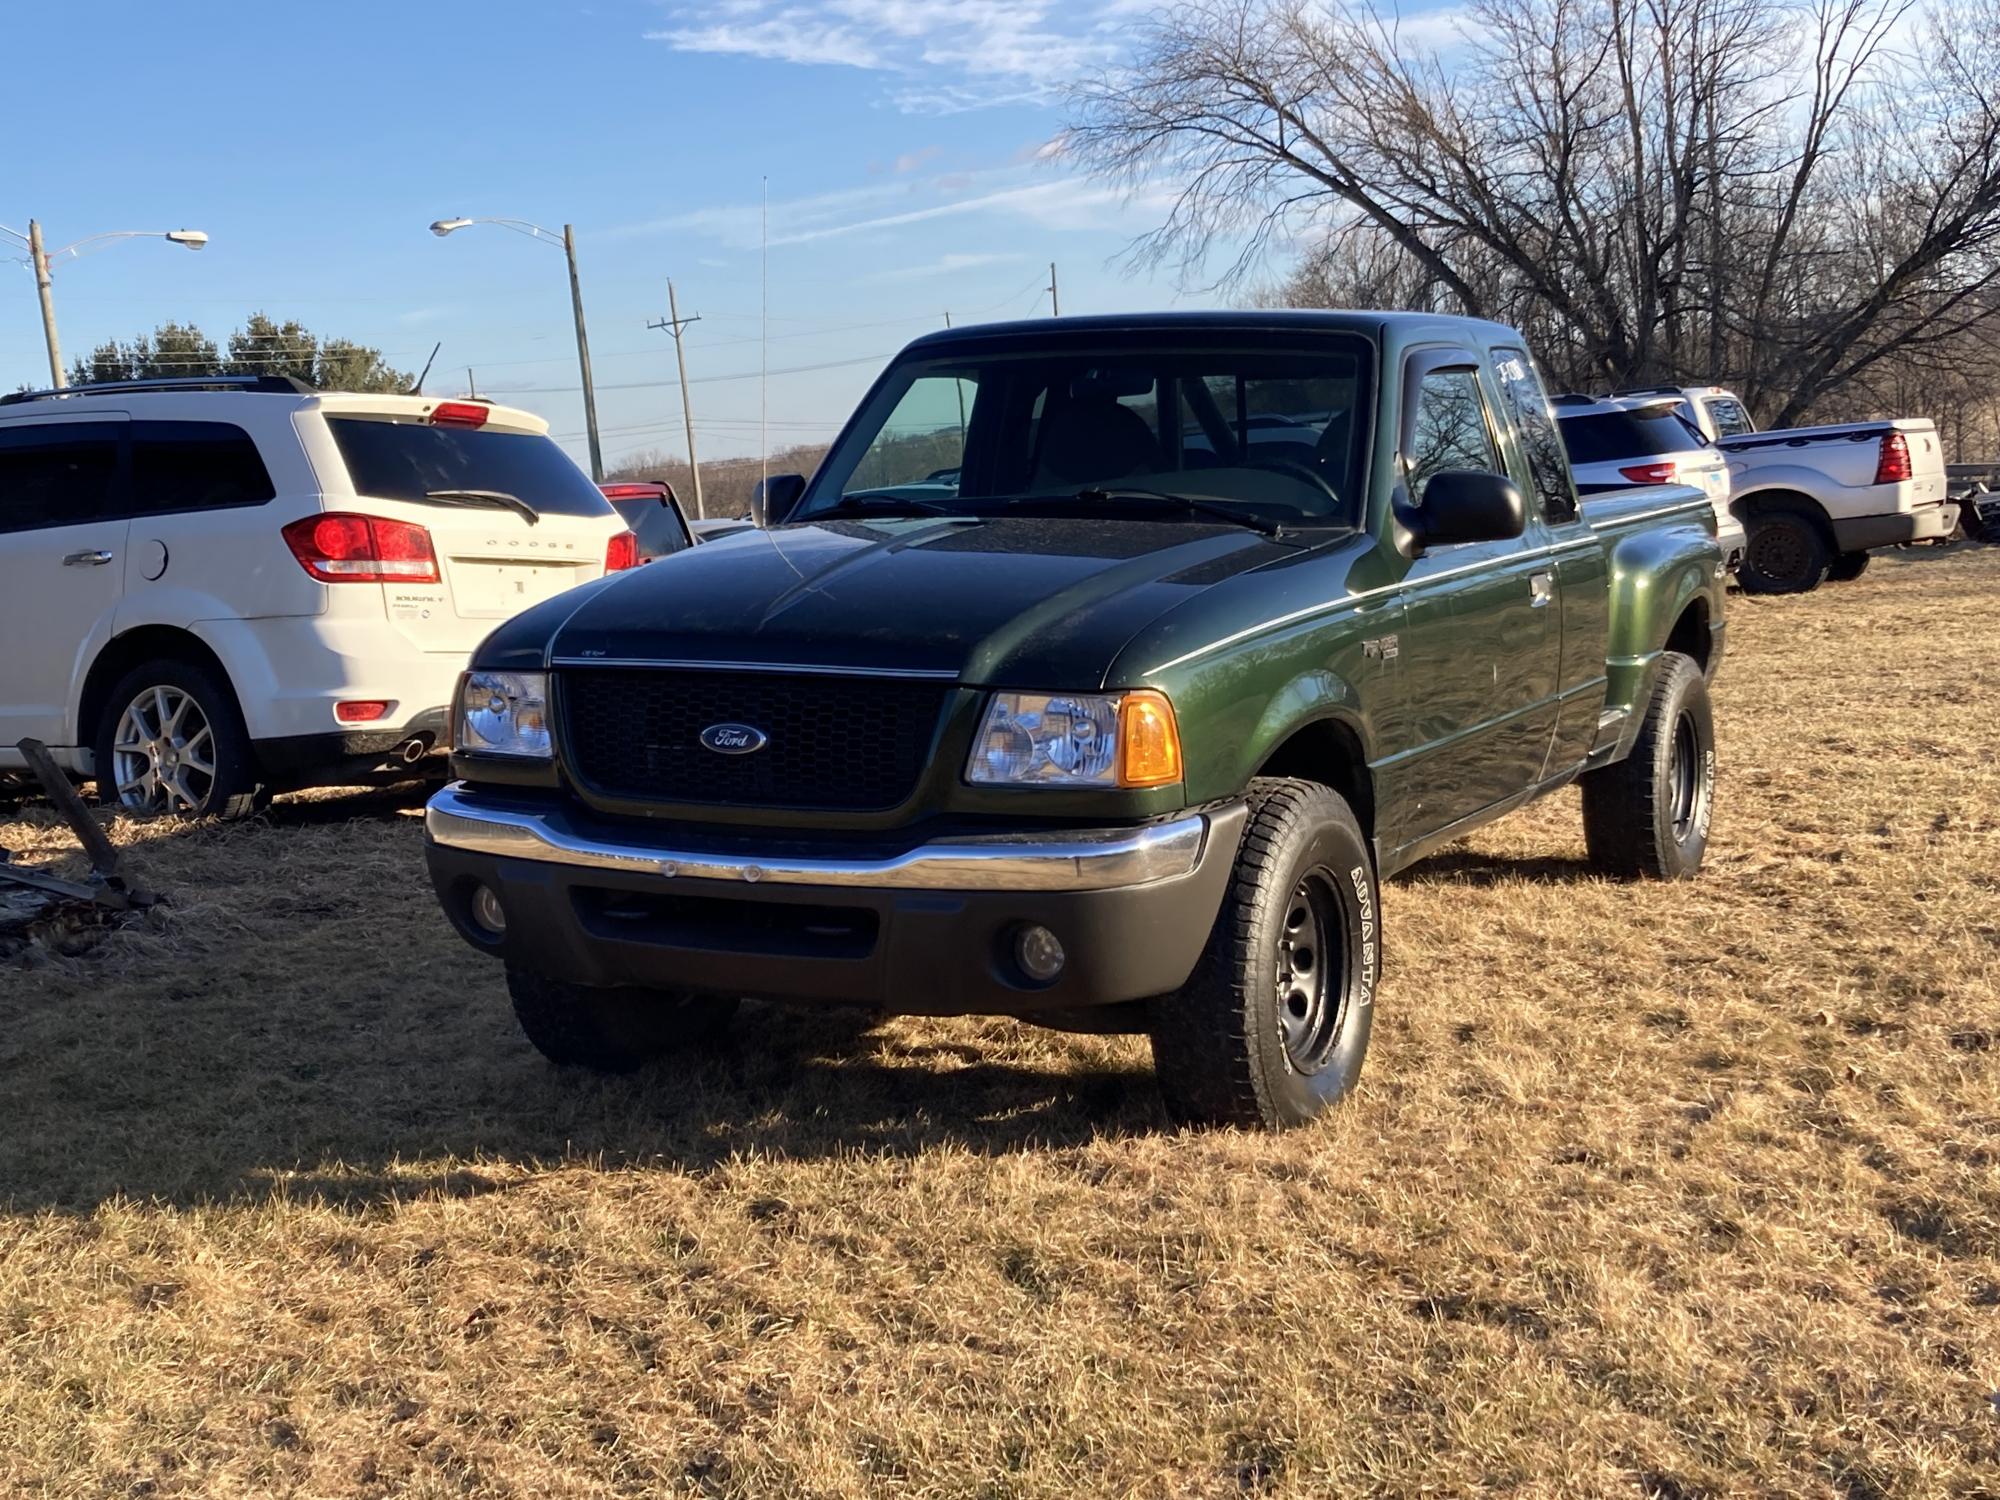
(171, 742)
(1787, 552)
(1648, 815)
(611, 1030)
(1272, 1026)
(1847, 567)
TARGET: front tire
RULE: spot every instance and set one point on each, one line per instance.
(1648, 814)
(611, 1030)
(1272, 1026)
(1786, 552)
(171, 742)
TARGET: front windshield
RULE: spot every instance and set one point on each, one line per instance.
(1274, 435)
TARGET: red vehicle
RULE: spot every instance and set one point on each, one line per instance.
(653, 511)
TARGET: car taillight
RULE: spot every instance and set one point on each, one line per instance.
(621, 552)
(1894, 464)
(342, 548)
(1649, 473)
(459, 414)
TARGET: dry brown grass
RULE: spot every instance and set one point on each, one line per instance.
(1648, 1191)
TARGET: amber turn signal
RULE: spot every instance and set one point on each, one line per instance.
(1149, 740)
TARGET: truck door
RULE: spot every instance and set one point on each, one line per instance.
(1480, 647)
(1576, 556)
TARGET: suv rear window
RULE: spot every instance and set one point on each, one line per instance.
(1605, 437)
(406, 460)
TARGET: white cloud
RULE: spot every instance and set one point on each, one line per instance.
(948, 265)
(963, 54)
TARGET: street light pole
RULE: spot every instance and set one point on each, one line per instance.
(443, 227)
(44, 286)
(39, 256)
(583, 359)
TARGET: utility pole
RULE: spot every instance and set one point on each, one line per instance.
(1055, 306)
(42, 285)
(674, 323)
(583, 358)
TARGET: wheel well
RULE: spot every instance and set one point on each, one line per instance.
(124, 652)
(1690, 635)
(1328, 752)
(1762, 501)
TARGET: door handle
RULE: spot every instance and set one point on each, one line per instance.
(1540, 587)
(87, 559)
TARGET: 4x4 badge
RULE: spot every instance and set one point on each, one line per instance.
(733, 739)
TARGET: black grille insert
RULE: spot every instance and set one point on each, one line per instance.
(849, 743)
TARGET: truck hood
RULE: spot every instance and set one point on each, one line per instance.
(1003, 601)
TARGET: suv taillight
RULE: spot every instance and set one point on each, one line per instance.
(1649, 473)
(621, 552)
(342, 548)
(1894, 464)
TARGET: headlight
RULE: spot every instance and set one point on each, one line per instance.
(1077, 739)
(504, 713)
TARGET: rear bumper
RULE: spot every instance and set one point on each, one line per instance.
(324, 759)
(1927, 523)
(926, 930)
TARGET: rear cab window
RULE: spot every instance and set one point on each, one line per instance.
(410, 460)
(1729, 417)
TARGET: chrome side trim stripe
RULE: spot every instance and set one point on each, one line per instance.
(1089, 860)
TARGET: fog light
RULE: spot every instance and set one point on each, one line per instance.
(1038, 952)
(488, 912)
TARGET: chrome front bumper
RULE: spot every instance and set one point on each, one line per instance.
(1087, 860)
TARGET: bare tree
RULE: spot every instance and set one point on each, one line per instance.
(1765, 191)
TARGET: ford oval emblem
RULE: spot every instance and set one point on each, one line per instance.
(733, 739)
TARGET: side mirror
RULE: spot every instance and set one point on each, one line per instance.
(773, 499)
(1461, 505)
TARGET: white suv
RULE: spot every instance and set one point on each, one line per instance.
(215, 589)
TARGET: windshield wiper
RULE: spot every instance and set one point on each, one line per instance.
(1213, 508)
(861, 503)
(488, 500)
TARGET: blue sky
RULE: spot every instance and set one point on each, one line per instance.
(903, 143)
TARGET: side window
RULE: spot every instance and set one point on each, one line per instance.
(57, 474)
(1450, 430)
(660, 531)
(1528, 405)
(923, 442)
(186, 466)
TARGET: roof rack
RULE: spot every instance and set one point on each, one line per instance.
(285, 385)
(1574, 398)
(1648, 390)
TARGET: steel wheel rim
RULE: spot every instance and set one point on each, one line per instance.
(1312, 972)
(1684, 775)
(163, 752)
(1779, 552)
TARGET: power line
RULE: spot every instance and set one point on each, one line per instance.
(661, 385)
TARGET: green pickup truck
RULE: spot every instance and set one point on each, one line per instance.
(1099, 677)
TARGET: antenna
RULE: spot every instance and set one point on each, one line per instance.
(418, 388)
(764, 344)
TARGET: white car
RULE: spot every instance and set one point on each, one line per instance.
(1816, 500)
(214, 589)
(1620, 442)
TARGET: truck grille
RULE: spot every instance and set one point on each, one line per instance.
(850, 743)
